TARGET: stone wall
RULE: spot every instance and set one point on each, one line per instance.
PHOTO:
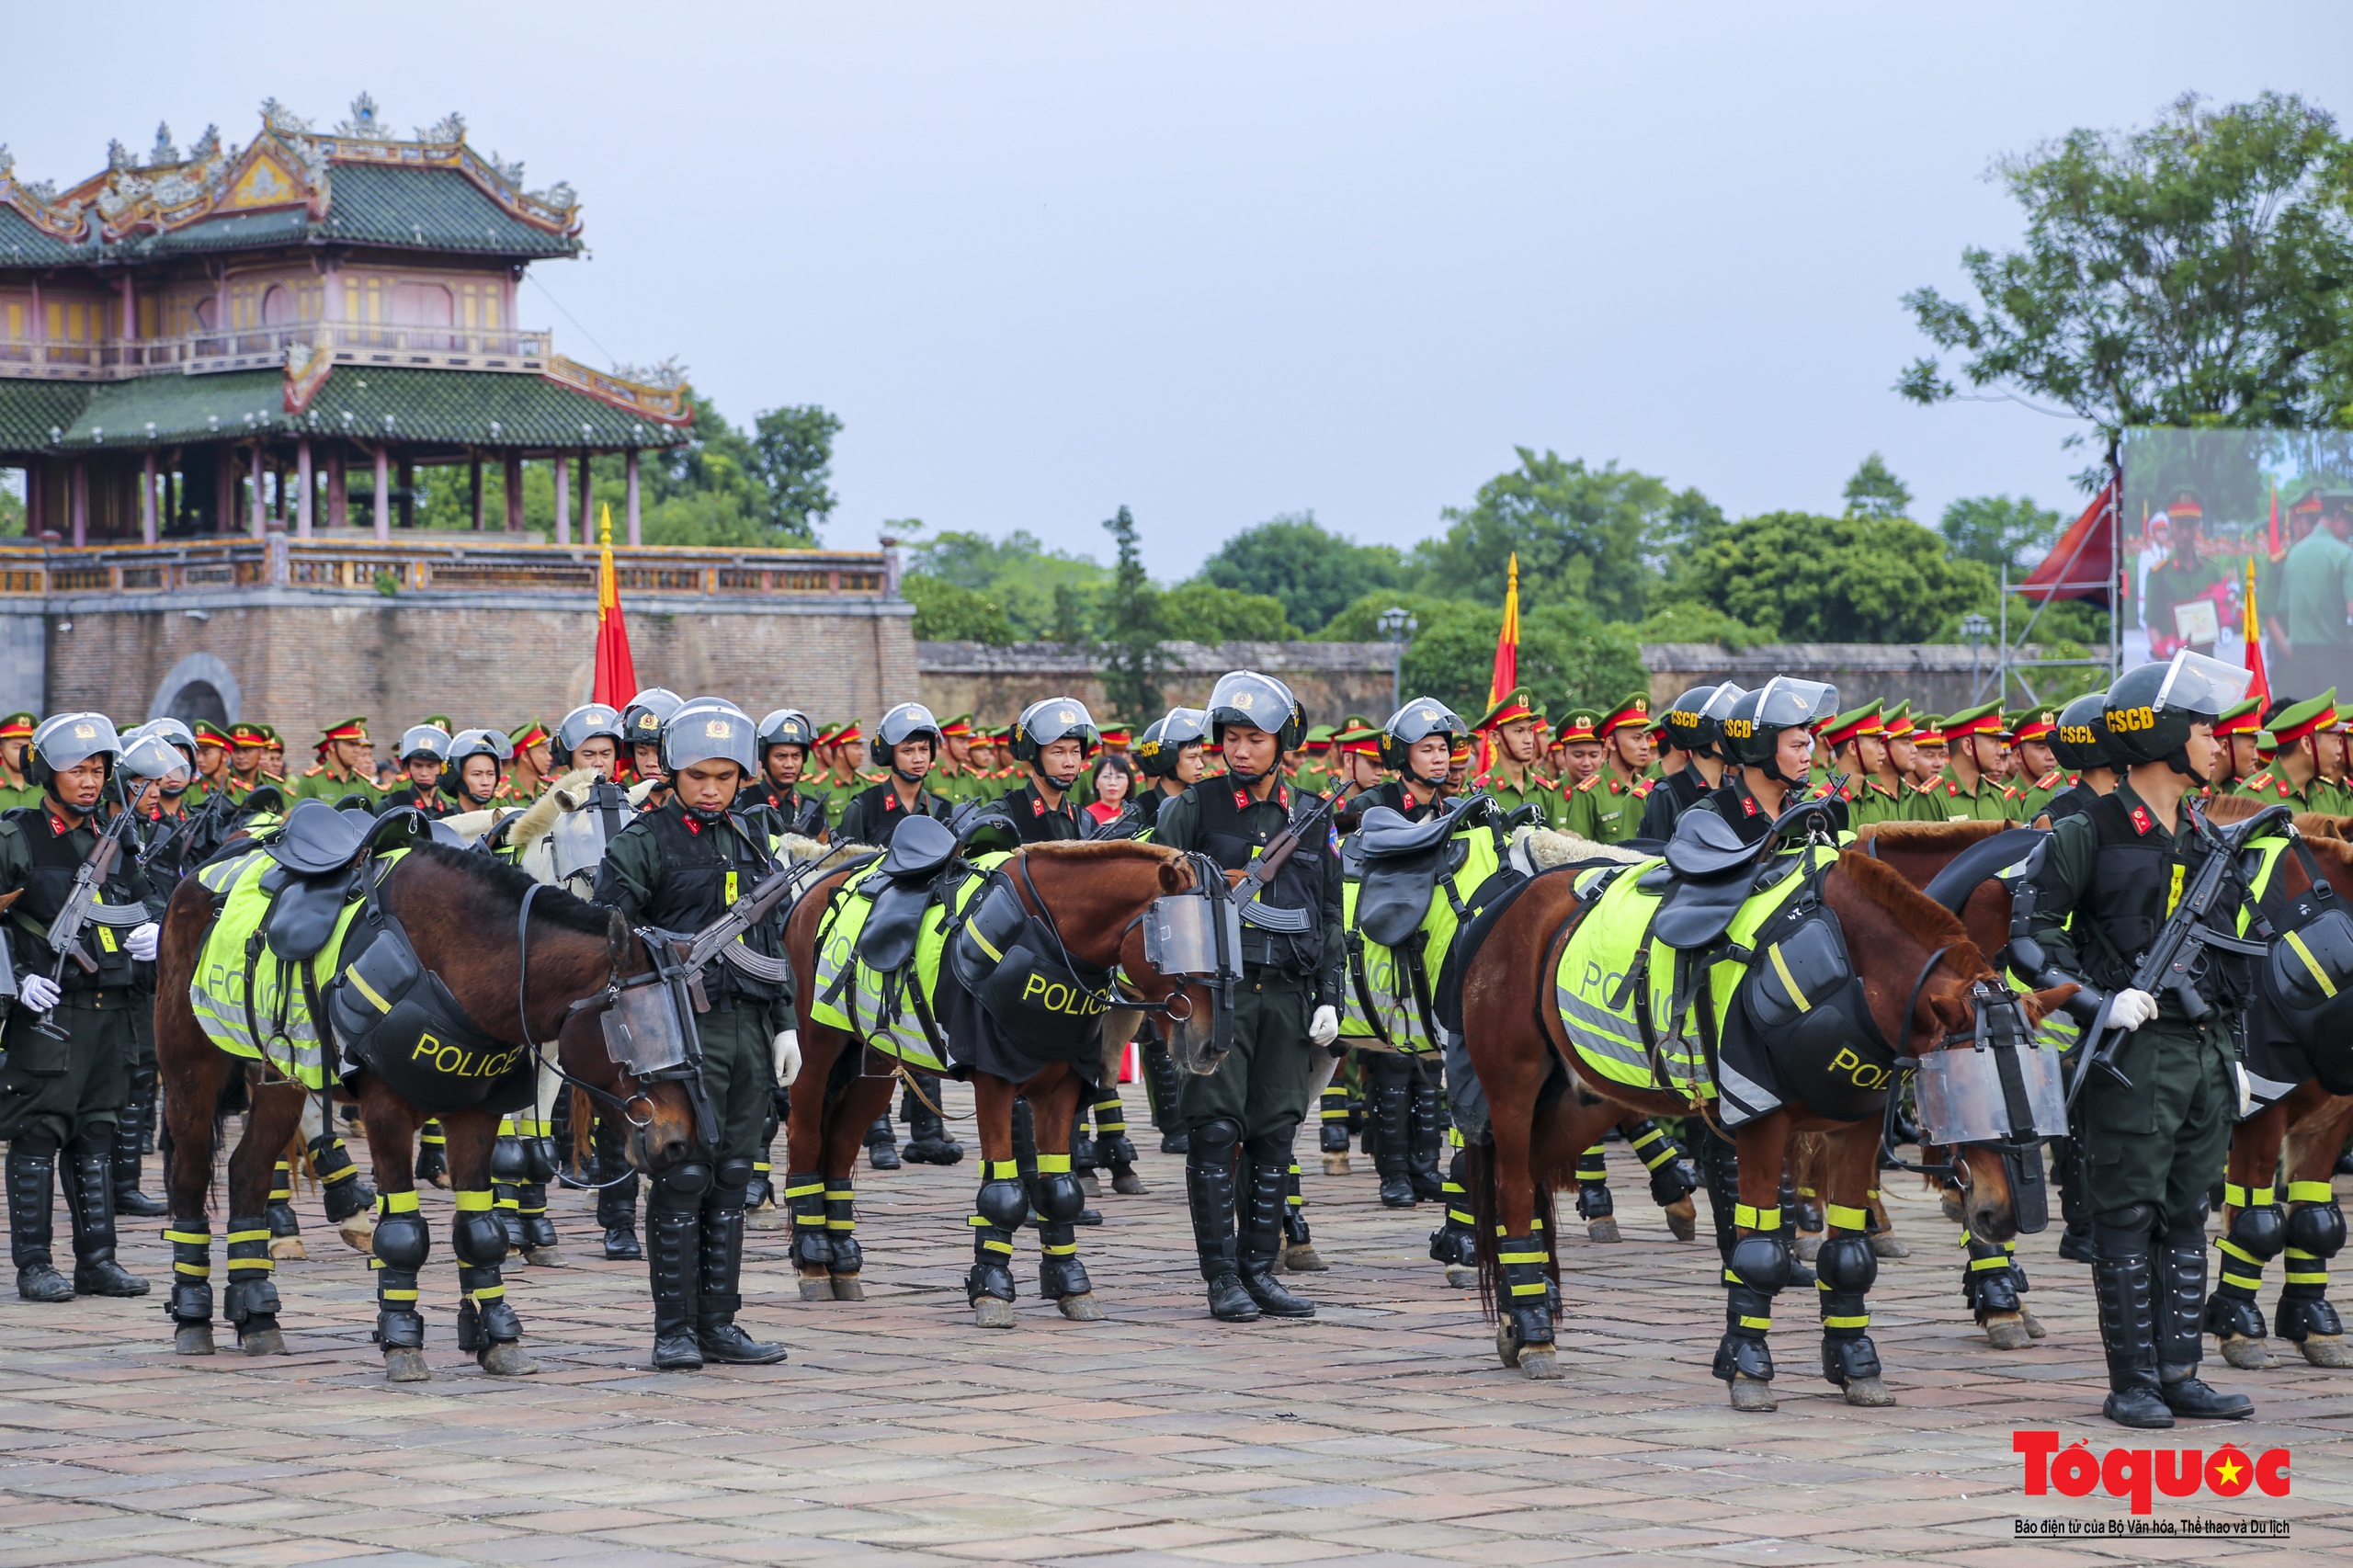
(1937, 678)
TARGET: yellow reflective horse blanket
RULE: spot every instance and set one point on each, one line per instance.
(874, 1006)
(1380, 1008)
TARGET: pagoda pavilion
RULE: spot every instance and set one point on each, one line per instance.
(210, 341)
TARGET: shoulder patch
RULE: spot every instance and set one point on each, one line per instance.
(1588, 782)
(1644, 787)
(2142, 822)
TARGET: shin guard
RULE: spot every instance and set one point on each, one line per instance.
(1758, 1269)
(1295, 1232)
(1112, 1146)
(997, 1213)
(252, 1297)
(1990, 1284)
(279, 1215)
(1056, 1202)
(2315, 1233)
(346, 1193)
(1332, 1134)
(841, 1225)
(1594, 1202)
(1662, 1158)
(484, 1318)
(812, 1244)
(1526, 1301)
(400, 1247)
(1844, 1269)
(1456, 1242)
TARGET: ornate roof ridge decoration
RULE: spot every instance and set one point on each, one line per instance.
(664, 405)
(287, 163)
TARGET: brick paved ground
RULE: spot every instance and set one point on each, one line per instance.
(1382, 1433)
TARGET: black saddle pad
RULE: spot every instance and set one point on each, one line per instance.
(887, 941)
(1706, 847)
(919, 847)
(302, 912)
(318, 840)
(1696, 914)
(1394, 895)
(1384, 834)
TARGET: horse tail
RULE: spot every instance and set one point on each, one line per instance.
(1479, 1187)
(297, 1155)
(584, 1117)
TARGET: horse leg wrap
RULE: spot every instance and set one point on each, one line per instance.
(1662, 1158)
(812, 1244)
(1844, 1270)
(1295, 1232)
(484, 1318)
(1988, 1285)
(401, 1246)
(1718, 1161)
(531, 1208)
(1456, 1242)
(191, 1300)
(1594, 1202)
(1526, 1293)
(1082, 1147)
(1759, 1268)
(841, 1225)
(346, 1194)
(1060, 1273)
(2315, 1233)
(279, 1213)
(252, 1296)
(2258, 1230)
(1333, 1113)
(432, 1153)
(997, 1213)
(1111, 1145)
(509, 1167)
(539, 1149)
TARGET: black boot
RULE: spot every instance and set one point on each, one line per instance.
(1261, 1240)
(928, 1141)
(89, 1198)
(1392, 1131)
(673, 1264)
(717, 1302)
(130, 1132)
(2181, 1339)
(882, 1144)
(617, 1204)
(1209, 1193)
(2124, 1281)
(1428, 1135)
(32, 1186)
(2067, 1175)
(1162, 1087)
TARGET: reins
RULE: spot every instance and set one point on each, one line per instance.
(620, 1107)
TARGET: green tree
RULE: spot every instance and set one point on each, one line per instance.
(1133, 613)
(1998, 529)
(1360, 622)
(2191, 273)
(792, 457)
(1810, 579)
(950, 612)
(1588, 535)
(1205, 612)
(1567, 656)
(1685, 621)
(12, 508)
(1875, 492)
(1017, 571)
(1313, 571)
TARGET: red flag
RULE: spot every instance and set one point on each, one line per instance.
(615, 672)
(1506, 676)
(2083, 564)
(2260, 685)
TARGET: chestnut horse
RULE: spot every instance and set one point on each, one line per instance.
(1091, 892)
(1517, 1043)
(461, 912)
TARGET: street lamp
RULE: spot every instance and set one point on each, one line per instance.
(1399, 626)
(1973, 630)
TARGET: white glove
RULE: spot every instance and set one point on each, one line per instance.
(38, 993)
(788, 1057)
(1326, 1029)
(2128, 1010)
(141, 942)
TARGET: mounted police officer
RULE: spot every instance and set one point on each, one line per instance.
(1287, 1003)
(1417, 744)
(2094, 760)
(158, 764)
(1170, 753)
(1694, 732)
(70, 1036)
(1052, 740)
(2106, 884)
(678, 869)
(474, 776)
(906, 743)
(1767, 736)
(786, 736)
(425, 757)
(642, 723)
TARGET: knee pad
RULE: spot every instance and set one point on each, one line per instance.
(1060, 1197)
(733, 1173)
(680, 1188)
(2261, 1231)
(508, 1164)
(2187, 1230)
(1003, 1204)
(1762, 1262)
(1213, 1142)
(1846, 1263)
(403, 1242)
(1272, 1150)
(2121, 1233)
(479, 1239)
(728, 1185)
(2317, 1229)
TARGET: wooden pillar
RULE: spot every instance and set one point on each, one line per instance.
(383, 495)
(339, 492)
(302, 483)
(629, 466)
(587, 500)
(147, 500)
(473, 478)
(261, 497)
(36, 498)
(224, 490)
(81, 503)
(408, 494)
(514, 495)
(563, 500)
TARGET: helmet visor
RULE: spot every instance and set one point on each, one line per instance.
(424, 740)
(590, 719)
(1720, 706)
(71, 739)
(2201, 686)
(152, 756)
(1787, 703)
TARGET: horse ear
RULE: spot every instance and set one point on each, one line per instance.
(2040, 1004)
(1950, 1006)
(1176, 876)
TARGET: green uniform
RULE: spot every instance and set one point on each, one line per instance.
(1605, 808)
(1950, 800)
(2039, 795)
(1869, 800)
(2171, 584)
(321, 784)
(1543, 792)
(2271, 786)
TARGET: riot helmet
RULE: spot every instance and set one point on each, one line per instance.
(177, 732)
(1054, 719)
(67, 741)
(648, 711)
(1420, 718)
(469, 744)
(789, 727)
(2150, 708)
(1164, 739)
(588, 719)
(1689, 728)
(2081, 740)
(146, 756)
(905, 722)
(424, 740)
(1752, 730)
(1246, 696)
(709, 729)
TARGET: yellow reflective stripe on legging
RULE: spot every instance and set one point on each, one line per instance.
(398, 1295)
(1000, 1170)
(1059, 1251)
(1842, 1218)
(397, 1202)
(805, 1189)
(2234, 1250)
(189, 1238)
(200, 1270)
(2238, 1197)
(2310, 1192)
(236, 1236)
(2243, 1281)
(474, 1203)
(1999, 1260)
(1862, 1322)
(487, 1293)
(1521, 1257)
(1053, 1165)
(1756, 1219)
(1760, 1324)
(1536, 1289)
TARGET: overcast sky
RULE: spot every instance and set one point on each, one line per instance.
(1222, 261)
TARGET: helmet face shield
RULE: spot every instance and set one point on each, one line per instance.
(1055, 719)
(648, 711)
(424, 740)
(1785, 702)
(2200, 687)
(907, 721)
(708, 730)
(788, 727)
(150, 755)
(1246, 696)
(71, 739)
(588, 719)
(1718, 705)
(1415, 723)
(1156, 749)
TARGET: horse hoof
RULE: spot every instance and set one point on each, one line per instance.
(766, 1217)
(508, 1361)
(816, 1287)
(2326, 1350)
(1808, 1248)
(268, 1341)
(1885, 1245)
(1082, 1307)
(1462, 1279)
(1682, 1220)
(2007, 1331)
(1506, 1344)
(990, 1312)
(1603, 1230)
(1335, 1165)
(1129, 1183)
(847, 1287)
(358, 1232)
(1752, 1394)
(1869, 1393)
(1092, 1183)
(1541, 1363)
(289, 1249)
(2033, 1325)
(543, 1258)
(2250, 1355)
(1304, 1259)
(405, 1366)
(192, 1339)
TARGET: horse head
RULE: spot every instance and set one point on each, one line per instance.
(1101, 894)
(1931, 990)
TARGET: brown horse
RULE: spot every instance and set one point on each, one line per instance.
(1092, 892)
(462, 914)
(1517, 1043)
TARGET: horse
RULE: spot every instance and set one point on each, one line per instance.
(1925, 983)
(465, 916)
(1093, 892)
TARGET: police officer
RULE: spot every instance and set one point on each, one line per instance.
(2041, 777)
(1286, 1005)
(529, 744)
(69, 1038)
(476, 757)
(425, 757)
(677, 868)
(1170, 756)
(1417, 744)
(1768, 738)
(2094, 762)
(786, 736)
(1970, 788)
(589, 737)
(16, 734)
(642, 723)
(906, 743)
(1511, 778)
(158, 764)
(1857, 740)
(347, 765)
(2294, 773)
(1052, 741)
(2235, 731)
(1606, 806)
(1695, 731)
(2102, 893)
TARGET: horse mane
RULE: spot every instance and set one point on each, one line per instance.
(2337, 849)
(1922, 918)
(495, 875)
(1930, 836)
(1103, 849)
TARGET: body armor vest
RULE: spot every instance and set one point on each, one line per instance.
(705, 868)
(2135, 885)
(56, 860)
(1297, 886)
(2070, 802)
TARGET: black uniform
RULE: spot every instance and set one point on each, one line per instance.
(784, 808)
(1389, 792)
(873, 816)
(1038, 823)
(1676, 794)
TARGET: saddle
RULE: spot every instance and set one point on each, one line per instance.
(1402, 862)
(1709, 873)
(909, 875)
(323, 855)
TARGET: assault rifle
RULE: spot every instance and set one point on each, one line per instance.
(1279, 850)
(716, 940)
(2172, 962)
(64, 933)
